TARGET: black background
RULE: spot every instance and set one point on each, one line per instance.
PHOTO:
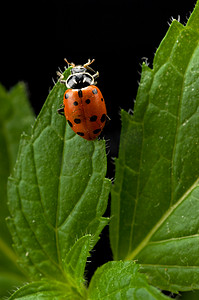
(120, 35)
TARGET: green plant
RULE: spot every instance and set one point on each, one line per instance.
(57, 193)
(16, 116)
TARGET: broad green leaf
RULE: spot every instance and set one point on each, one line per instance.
(16, 117)
(46, 290)
(121, 280)
(57, 195)
(155, 207)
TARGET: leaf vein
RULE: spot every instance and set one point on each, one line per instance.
(146, 240)
(174, 239)
(58, 200)
(46, 253)
(79, 200)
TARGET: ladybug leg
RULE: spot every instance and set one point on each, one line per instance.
(61, 110)
(108, 119)
(96, 75)
(61, 77)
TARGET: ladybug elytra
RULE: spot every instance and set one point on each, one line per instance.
(83, 103)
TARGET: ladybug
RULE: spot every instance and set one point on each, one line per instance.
(83, 103)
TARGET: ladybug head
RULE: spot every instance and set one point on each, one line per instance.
(81, 76)
(79, 68)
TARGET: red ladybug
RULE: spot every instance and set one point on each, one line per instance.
(83, 103)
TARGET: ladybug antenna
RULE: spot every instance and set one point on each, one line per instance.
(89, 63)
(69, 64)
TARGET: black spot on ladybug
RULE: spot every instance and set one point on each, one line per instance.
(102, 99)
(88, 101)
(80, 94)
(71, 125)
(103, 118)
(66, 96)
(77, 121)
(96, 131)
(94, 91)
(93, 118)
(80, 133)
(75, 103)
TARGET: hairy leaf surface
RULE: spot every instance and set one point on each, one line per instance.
(155, 200)
(46, 290)
(121, 280)
(57, 195)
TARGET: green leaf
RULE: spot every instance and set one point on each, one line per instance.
(57, 196)
(46, 290)
(76, 258)
(188, 296)
(16, 116)
(121, 280)
(155, 203)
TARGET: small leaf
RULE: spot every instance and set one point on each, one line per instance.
(57, 196)
(46, 290)
(155, 197)
(76, 258)
(121, 280)
(16, 116)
